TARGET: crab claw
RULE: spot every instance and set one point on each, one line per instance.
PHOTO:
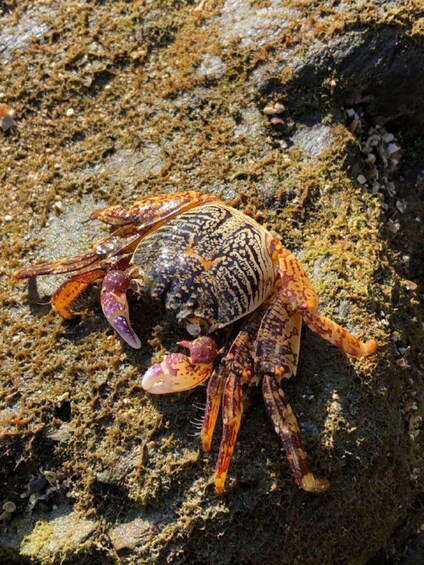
(178, 372)
(115, 305)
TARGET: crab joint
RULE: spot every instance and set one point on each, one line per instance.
(178, 372)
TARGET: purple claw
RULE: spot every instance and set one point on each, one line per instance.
(115, 305)
(178, 372)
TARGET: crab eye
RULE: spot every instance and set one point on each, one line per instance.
(196, 326)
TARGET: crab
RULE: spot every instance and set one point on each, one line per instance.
(240, 294)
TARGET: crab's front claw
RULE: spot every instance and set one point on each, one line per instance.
(115, 305)
(178, 372)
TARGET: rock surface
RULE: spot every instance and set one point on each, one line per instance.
(309, 117)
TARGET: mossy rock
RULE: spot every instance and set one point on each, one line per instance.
(114, 101)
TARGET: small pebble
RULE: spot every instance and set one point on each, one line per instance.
(275, 120)
(410, 285)
(393, 226)
(392, 148)
(58, 207)
(371, 158)
(388, 137)
(401, 206)
(361, 179)
(8, 218)
(269, 110)
(70, 112)
(279, 108)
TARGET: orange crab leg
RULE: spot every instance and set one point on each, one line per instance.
(297, 287)
(235, 370)
(286, 426)
(66, 294)
(276, 353)
(213, 401)
(239, 360)
(301, 296)
(232, 410)
(338, 336)
(278, 340)
(57, 267)
(153, 211)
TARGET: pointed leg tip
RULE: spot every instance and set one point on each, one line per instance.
(19, 274)
(63, 311)
(364, 348)
(370, 347)
(219, 486)
(26, 272)
(310, 483)
(206, 443)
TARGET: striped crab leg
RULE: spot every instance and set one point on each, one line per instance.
(277, 351)
(276, 355)
(179, 372)
(151, 212)
(301, 296)
(225, 385)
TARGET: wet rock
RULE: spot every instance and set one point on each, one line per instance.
(68, 234)
(212, 67)
(51, 539)
(314, 140)
(132, 534)
(30, 27)
(251, 124)
(132, 165)
(122, 103)
(252, 26)
(59, 536)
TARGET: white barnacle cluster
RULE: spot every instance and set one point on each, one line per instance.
(380, 150)
(381, 154)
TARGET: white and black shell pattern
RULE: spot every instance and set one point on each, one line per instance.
(209, 265)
